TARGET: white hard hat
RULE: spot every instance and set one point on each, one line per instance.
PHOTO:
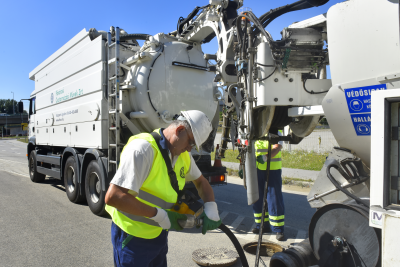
(200, 124)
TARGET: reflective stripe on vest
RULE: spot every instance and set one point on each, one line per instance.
(156, 191)
(261, 148)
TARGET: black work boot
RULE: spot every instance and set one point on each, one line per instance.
(266, 229)
(280, 236)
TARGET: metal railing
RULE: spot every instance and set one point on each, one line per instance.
(319, 141)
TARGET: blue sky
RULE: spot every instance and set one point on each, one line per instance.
(33, 30)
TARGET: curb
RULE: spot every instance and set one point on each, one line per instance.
(286, 172)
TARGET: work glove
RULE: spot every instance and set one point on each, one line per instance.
(260, 159)
(168, 219)
(241, 173)
(265, 157)
(210, 217)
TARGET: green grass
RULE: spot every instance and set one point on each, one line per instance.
(23, 140)
(303, 160)
(230, 155)
(297, 159)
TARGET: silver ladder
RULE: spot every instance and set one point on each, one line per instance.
(113, 103)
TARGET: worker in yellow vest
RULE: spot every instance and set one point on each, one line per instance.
(275, 211)
(143, 191)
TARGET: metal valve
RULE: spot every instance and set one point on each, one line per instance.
(191, 221)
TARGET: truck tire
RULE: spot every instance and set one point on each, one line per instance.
(93, 184)
(33, 174)
(70, 181)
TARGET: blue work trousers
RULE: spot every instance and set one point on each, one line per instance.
(275, 210)
(134, 251)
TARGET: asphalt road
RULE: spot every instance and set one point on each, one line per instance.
(40, 227)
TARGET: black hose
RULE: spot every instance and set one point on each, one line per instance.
(338, 186)
(148, 79)
(236, 243)
(134, 36)
(312, 92)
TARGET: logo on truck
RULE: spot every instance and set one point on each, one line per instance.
(52, 98)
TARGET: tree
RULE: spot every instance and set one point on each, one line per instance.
(6, 106)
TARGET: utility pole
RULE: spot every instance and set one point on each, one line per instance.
(13, 103)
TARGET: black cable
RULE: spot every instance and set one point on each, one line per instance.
(148, 78)
(264, 65)
(311, 92)
(236, 243)
(338, 186)
(351, 253)
(265, 203)
(266, 77)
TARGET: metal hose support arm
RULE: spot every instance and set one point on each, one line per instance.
(236, 243)
(338, 186)
(134, 36)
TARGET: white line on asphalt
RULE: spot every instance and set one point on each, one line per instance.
(223, 215)
(250, 235)
(17, 173)
(223, 202)
(12, 161)
(301, 235)
(236, 223)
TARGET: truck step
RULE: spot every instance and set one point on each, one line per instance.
(114, 128)
(112, 78)
(113, 111)
(128, 87)
(112, 161)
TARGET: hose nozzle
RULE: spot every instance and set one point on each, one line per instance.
(191, 221)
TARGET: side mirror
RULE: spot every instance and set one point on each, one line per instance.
(20, 107)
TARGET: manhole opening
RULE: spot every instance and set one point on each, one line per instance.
(267, 248)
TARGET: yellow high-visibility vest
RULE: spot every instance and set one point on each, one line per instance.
(261, 148)
(156, 191)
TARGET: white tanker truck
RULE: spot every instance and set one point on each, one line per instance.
(100, 88)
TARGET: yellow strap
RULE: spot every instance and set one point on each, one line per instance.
(260, 214)
(259, 221)
(276, 218)
(277, 224)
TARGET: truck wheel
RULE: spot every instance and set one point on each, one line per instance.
(70, 181)
(94, 194)
(33, 174)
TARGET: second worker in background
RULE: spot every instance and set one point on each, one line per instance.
(275, 211)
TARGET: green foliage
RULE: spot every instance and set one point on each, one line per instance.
(323, 121)
(6, 106)
(297, 159)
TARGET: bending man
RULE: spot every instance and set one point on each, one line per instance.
(141, 195)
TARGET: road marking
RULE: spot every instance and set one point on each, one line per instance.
(12, 161)
(223, 202)
(301, 235)
(236, 223)
(250, 235)
(17, 173)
